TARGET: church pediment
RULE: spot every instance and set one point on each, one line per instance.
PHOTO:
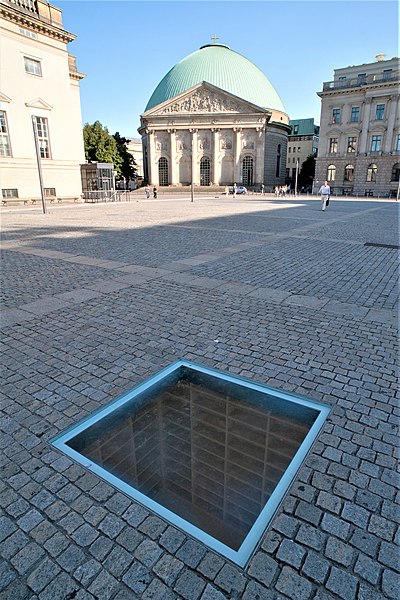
(38, 103)
(204, 98)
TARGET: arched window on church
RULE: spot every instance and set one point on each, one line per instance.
(278, 161)
(247, 170)
(331, 173)
(205, 171)
(163, 171)
(349, 173)
(372, 172)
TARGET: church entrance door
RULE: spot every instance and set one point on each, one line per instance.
(247, 170)
(205, 171)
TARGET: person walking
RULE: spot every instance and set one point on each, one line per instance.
(262, 189)
(234, 190)
(226, 191)
(325, 192)
(155, 193)
(147, 192)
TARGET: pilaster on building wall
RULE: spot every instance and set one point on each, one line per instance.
(359, 146)
(39, 87)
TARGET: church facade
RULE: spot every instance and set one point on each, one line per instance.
(200, 125)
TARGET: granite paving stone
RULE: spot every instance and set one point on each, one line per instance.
(97, 298)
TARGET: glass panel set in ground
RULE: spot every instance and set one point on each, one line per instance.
(206, 449)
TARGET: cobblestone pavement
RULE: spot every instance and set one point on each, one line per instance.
(99, 297)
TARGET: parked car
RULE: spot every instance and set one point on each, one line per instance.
(240, 189)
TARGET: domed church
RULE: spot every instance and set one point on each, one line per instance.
(217, 120)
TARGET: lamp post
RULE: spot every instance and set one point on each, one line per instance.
(192, 178)
(39, 162)
(297, 176)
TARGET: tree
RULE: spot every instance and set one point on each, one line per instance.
(307, 172)
(100, 146)
(128, 165)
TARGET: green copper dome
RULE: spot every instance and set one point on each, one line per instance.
(219, 65)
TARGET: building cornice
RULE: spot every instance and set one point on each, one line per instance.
(77, 76)
(35, 23)
(389, 86)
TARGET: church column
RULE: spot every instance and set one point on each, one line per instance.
(194, 175)
(392, 110)
(217, 166)
(172, 145)
(362, 148)
(151, 158)
(236, 155)
(259, 172)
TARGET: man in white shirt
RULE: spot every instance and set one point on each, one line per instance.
(325, 192)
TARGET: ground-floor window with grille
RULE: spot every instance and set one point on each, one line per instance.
(247, 170)
(205, 171)
(49, 192)
(163, 171)
(9, 193)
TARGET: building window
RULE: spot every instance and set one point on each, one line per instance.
(380, 111)
(290, 149)
(396, 172)
(387, 73)
(32, 66)
(361, 78)
(331, 173)
(42, 131)
(355, 114)
(48, 192)
(376, 143)
(351, 144)
(5, 148)
(278, 161)
(349, 173)
(247, 170)
(27, 33)
(10, 193)
(295, 129)
(333, 145)
(398, 143)
(336, 115)
(163, 171)
(371, 172)
(205, 171)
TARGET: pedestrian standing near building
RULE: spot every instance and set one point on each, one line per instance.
(147, 192)
(325, 192)
(234, 190)
(226, 191)
(262, 189)
(155, 193)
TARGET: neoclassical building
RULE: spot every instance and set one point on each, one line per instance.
(214, 119)
(359, 140)
(40, 111)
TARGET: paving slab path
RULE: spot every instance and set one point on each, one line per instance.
(97, 298)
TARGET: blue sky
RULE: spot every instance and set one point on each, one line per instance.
(126, 47)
